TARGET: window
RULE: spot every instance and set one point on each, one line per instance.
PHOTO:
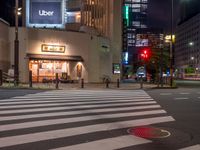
(73, 17)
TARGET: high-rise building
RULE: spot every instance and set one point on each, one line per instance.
(88, 13)
(134, 17)
(187, 52)
(76, 15)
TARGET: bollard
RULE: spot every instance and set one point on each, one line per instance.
(141, 82)
(1, 78)
(117, 83)
(107, 83)
(30, 79)
(57, 81)
(82, 83)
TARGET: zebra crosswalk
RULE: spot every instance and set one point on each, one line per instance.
(194, 147)
(77, 119)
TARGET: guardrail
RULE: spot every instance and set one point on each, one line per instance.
(7, 78)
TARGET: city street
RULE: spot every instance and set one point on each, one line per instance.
(100, 75)
(99, 119)
(183, 104)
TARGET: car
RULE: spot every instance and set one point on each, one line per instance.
(141, 73)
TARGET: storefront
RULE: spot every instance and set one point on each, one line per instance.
(45, 67)
(72, 55)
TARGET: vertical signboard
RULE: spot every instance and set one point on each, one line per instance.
(116, 68)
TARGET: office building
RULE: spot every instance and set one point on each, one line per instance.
(187, 50)
(134, 17)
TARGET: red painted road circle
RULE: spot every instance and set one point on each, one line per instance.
(149, 132)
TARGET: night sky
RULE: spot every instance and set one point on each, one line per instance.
(158, 12)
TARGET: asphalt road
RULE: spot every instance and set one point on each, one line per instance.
(53, 112)
(9, 93)
(184, 105)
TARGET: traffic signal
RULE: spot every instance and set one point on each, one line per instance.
(145, 53)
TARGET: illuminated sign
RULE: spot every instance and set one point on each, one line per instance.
(116, 68)
(53, 48)
(125, 58)
(45, 13)
(142, 40)
(168, 38)
(126, 14)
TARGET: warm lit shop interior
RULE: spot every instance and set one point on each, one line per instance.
(45, 70)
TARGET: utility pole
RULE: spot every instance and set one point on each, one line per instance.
(171, 43)
(16, 46)
(161, 67)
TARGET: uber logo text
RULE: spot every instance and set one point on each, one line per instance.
(46, 13)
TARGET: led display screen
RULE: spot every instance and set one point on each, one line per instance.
(45, 13)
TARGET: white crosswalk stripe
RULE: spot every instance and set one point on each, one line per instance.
(194, 147)
(61, 116)
(112, 143)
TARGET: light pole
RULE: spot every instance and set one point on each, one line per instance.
(172, 43)
(16, 46)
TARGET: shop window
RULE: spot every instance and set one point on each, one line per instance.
(79, 70)
(45, 69)
(73, 17)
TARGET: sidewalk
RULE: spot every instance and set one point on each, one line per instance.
(90, 86)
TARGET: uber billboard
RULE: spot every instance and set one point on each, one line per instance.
(45, 13)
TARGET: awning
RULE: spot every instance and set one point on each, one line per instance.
(54, 57)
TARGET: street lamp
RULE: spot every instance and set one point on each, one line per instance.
(16, 46)
(191, 43)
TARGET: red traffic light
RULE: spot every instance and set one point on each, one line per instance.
(145, 53)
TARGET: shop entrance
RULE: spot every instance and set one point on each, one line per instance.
(45, 70)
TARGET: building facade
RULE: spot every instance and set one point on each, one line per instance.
(87, 46)
(134, 17)
(4, 45)
(187, 51)
(150, 37)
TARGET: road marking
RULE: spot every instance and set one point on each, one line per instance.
(184, 93)
(163, 94)
(76, 119)
(108, 144)
(80, 113)
(34, 137)
(106, 110)
(85, 101)
(79, 96)
(195, 147)
(31, 99)
(73, 107)
(181, 98)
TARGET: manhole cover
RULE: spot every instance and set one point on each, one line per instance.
(149, 132)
